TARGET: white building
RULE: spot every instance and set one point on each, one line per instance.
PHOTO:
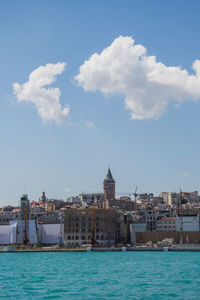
(170, 198)
(189, 223)
(166, 224)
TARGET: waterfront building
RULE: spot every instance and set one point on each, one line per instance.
(187, 220)
(166, 224)
(90, 225)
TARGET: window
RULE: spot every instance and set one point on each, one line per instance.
(69, 237)
(76, 237)
(82, 237)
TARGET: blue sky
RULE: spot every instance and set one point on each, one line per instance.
(155, 154)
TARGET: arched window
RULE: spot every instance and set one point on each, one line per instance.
(82, 237)
(69, 237)
(76, 237)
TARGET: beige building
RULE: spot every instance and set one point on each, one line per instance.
(90, 226)
(170, 198)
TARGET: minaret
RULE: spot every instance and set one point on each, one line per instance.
(109, 186)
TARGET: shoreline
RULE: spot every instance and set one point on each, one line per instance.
(11, 249)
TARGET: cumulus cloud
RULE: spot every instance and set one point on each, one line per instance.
(148, 86)
(46, 100)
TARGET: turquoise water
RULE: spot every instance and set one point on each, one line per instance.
(104, 275)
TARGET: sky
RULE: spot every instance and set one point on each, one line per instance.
(87, 84)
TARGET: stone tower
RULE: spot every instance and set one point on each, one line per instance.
(109, 186)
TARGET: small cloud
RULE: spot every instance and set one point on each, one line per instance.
(185, 174)
(46, 100)
(66, 190)
(89, 124)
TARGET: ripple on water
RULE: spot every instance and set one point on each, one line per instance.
(100, 275)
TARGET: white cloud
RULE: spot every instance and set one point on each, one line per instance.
(185, 174)
(46, 100)
(89, 124)
(148, 86)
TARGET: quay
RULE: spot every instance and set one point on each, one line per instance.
(14, 249)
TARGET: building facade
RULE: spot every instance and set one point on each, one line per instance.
(90, 225)
(166, 224)
(188, 220)
(151, 218)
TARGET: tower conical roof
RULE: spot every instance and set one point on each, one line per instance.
(109, 175)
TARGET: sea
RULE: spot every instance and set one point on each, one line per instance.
(100, 275)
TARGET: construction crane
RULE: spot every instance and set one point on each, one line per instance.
(25, 227)
(92, 240)
(135, 194)
(129, 194)
(37, 232)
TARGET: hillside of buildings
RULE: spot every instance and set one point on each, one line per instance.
(103, 220)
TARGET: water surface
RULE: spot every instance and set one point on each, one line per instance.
(100, 275)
